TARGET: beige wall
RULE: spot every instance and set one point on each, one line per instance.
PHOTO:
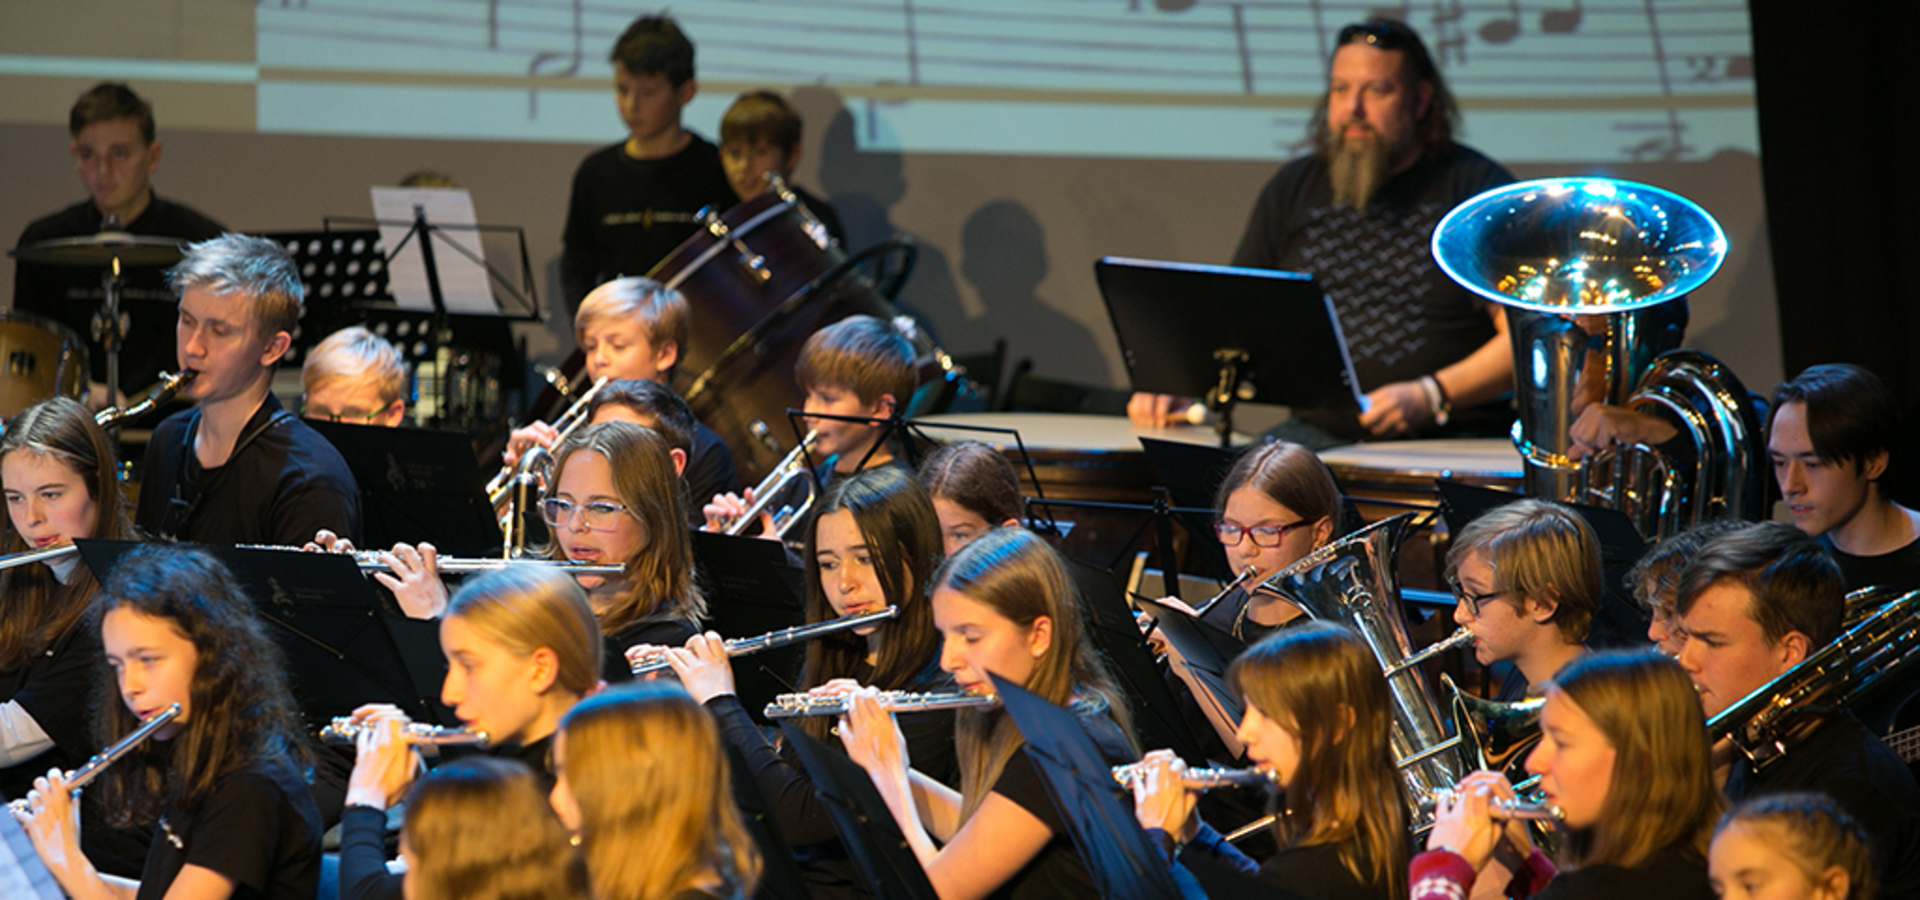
(1009, 242)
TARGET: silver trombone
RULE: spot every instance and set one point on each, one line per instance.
(91, 769)
(344, 730)
(514, 488)
(770, 488)
(657, 661)
(787, 706)
(369, 561)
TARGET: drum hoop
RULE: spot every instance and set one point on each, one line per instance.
(52, 326)
(719, 244)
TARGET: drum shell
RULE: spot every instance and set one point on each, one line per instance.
(1404, 472)
(769, 253)
(39, 359)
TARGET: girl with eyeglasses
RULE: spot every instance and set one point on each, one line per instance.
(613, 497)
(1277, 504)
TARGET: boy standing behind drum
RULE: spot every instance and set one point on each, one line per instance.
(860, 366)
(635, 201)
(760, 136)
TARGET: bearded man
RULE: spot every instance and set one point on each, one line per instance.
(1358, 214)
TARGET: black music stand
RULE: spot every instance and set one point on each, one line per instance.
(1208, 652)
(343, 648)
(1156, 715)
(1192, 474)
(918, 430)
(417, 485)
(1228, 335)
(866, 827)
(752, 588)
(1119, 856)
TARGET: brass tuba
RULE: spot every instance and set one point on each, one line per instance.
(1352, 581)
(1613, 254)
(1765, 724)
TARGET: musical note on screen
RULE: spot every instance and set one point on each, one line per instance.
(566, 64)
(1505, 28)
(1562, 21)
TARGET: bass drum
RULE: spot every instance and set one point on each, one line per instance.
(43, 359)
(759, 280)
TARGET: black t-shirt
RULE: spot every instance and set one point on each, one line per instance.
(1671, 874)
(1842, 760)
(1058, 871)
(710, 472)
(54, 688)
(1401, 315)
(280, 487)
(1316, 872)
(1899, 570)
(627, 214)
(71, 294)
(259, 828)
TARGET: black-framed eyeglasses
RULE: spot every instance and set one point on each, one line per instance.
(1261, 535)
(351, 417)
(599, 515)
(1471, 600)
(1382, 34)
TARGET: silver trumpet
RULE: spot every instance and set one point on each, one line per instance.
(787, 706)
(1503, 808)
(514, 488)
(1460, 638)
(369, 561)
(170, 384)
(91, 769)
(344, 731)
(1200, 779)
(770, 488)
(657, 661)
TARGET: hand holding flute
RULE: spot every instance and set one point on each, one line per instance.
(385, 763)
(1160, 799)
(1468, 820)
(413, 574)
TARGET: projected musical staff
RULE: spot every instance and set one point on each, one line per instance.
(1615, 59)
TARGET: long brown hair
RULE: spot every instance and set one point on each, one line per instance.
(975, 477)
(1662, 792)
(1322, 683)
(660, 575)
(896, 521)
(1020, 577)
(527, 607)
(1290, 475)
(39, 608)
(480, 829)
(646, 766)
(241, 710)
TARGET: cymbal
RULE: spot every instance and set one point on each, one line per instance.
(100, 250)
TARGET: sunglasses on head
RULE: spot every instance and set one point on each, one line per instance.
(1382, 34)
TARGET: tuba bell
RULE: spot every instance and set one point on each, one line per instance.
(1589, 269)
(1352, 581)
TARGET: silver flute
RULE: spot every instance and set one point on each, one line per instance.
(369, 561)
(787, 706)
(1200, 779)
(657, 661)
(1503, 808)
(344, 730)
(91, 769)
(28, 557)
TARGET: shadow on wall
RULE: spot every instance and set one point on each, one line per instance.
(863, 186)
(1004, 256)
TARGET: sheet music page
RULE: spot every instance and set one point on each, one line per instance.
(457, 254)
